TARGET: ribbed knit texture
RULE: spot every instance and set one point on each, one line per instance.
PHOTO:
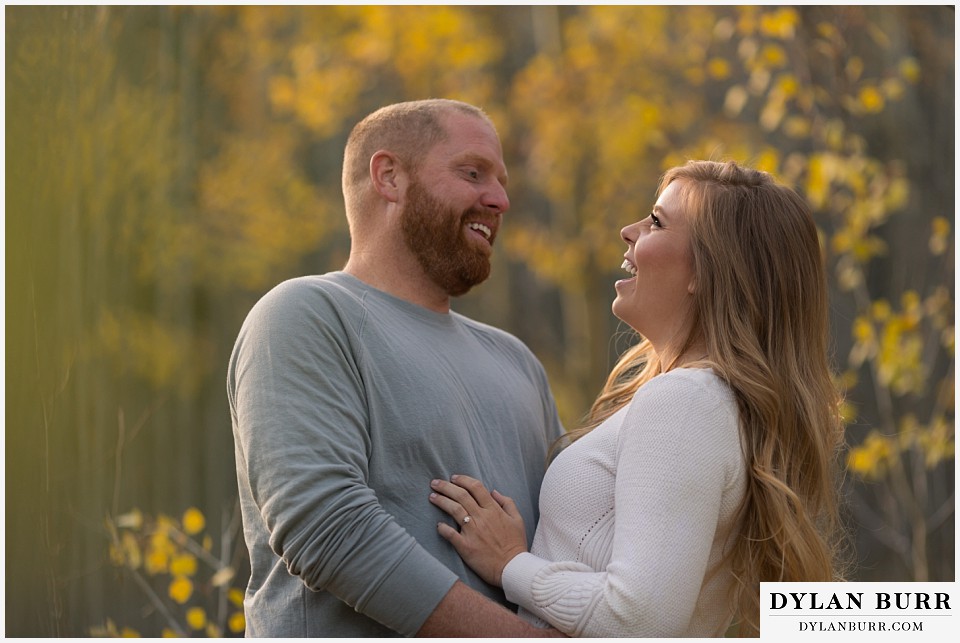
(634, 516)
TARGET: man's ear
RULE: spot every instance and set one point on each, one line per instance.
(385, 173)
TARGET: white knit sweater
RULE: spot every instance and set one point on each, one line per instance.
(634, 515)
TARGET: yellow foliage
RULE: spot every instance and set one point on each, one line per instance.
(718, 68)
(780, 23)
(854, 68)
(131, 550)
(871, 99)
(892, 88)
(183, 564)
(910, 70)
(158, 561)
(196, 618)
(237, 623)
(147, 346)
(223, 576)
(871, 458)
(735, 100)
(235, 596)
(796, 127)
(940, 236)
(773, 55)
(193, 521)
(768, 160)
(130, 520)
(180, 589)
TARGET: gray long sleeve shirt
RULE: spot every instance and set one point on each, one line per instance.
(345, 403)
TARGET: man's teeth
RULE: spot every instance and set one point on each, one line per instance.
(629, 267)
(482, 229)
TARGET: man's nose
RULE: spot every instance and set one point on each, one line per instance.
(496, 198)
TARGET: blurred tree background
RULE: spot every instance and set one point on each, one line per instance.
(166, 166)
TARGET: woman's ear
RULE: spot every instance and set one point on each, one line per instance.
(385, 174)
(692, 286)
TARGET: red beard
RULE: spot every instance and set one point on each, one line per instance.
(435, 234)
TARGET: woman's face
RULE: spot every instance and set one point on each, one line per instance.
(655, 301)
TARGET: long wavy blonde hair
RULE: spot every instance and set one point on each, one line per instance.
(760, 309)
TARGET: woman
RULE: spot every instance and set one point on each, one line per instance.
(707, 463)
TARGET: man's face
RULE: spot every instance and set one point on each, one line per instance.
(454, 204)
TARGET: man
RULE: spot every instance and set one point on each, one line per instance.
(351, 391)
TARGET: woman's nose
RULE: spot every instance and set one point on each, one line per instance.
(629, 233)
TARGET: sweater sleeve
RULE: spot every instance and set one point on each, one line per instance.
(300, 421)
(675, 450)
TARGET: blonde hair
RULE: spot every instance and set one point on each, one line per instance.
(409, 130)
(760, 309)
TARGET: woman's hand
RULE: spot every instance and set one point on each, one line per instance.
(491, 528)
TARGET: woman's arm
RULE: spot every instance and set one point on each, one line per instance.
(673, 457)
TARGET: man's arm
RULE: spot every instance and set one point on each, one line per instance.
(464, 612)
(301, 426)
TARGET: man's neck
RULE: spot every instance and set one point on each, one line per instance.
(407, 282)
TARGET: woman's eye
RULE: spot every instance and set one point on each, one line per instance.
(655, 220)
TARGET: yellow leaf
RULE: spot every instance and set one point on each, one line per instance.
(787, 83)
(237, 622)
(940, 237)
(718, 68)
(910, 69)
(130, 520)
(735, 100)
(196, 618)
(881, 310)
(773, 55)
(131, 550)
(796, 127)
(892, 88)
(863, 330)
(181, 589)
(193, 521)
(183, 565)
(768, 161)
(779, 24)
(870, 99)
(167, 633)
(854, 68)
(158, 560)
(222, 577)
(235, 596)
